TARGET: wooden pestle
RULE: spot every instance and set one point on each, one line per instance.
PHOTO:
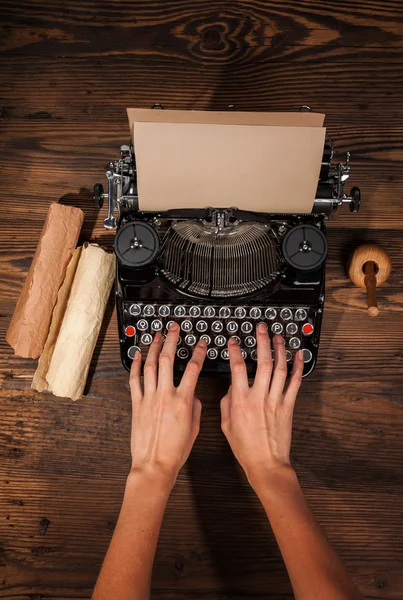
(369, 267)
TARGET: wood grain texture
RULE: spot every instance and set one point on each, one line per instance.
(68, 71)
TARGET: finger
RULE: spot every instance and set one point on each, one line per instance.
(239, 374)
(197, 409)
(167, 357)
(134, 380)
(225, 406)
(264, 361)
(280, 367)
(295, 381)
(191, 375)
(151, 365)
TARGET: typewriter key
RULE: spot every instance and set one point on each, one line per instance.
(132, 351)
(201, 326)
(291, 328)
(142, 325)
(156, 325)
(277, 328)
(307, 329)
(148, 310)
(130, 331)
(300, 314)
(288, 355)
(180, 311)
(286, 314)
(305, 247)
(240, 312)
(225, 354)
(212, 353)
(206, 338)
(182, 353)
(255, 312)
(232, 327)
(164, 311)
(224, 312)
(135, 310)
(244, 354)
(220, 340)
(246, 327)
(190, 340)
(236, 338)
(187, 325)
(217, 327)
(136, 244)
(307, 355)
(270, 313)
(294, 343)
(253, 355)
(194, 311)
(209, 311)
(250, 341)
(146, 339)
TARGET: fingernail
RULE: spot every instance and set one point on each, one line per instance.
(233, 342)
(202, 343)
(300, 354)
(157, 337)
(137, 355)
(174, 327)
(278, 339)
(262, 328)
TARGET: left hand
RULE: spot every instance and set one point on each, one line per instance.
(166, 419)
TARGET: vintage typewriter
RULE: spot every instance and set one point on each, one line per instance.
(220, 272)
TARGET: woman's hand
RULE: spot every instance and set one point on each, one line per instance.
(166, 419)
(257, 420)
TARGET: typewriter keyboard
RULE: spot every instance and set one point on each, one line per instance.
(215, 325)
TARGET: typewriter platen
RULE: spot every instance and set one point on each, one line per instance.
(220, 272)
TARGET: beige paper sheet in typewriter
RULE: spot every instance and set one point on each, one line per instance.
(266, 162)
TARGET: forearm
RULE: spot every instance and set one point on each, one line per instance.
(126, 572)
(313, 566)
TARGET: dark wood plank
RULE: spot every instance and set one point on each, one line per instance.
(99, 89)
(206, 32)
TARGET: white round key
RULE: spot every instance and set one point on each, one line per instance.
(156, 325)
(179, 311)
(291, 328)
(146, 339)
(186, 325)
(148, 310)
(190, 339)
(142, 325)
(135, 310)
(164, 310)
(212, 353)
(194, 311)
(182, 353)
(294, 343)
(220, 340)
(246, 327)
(240, 312)
(224, 312)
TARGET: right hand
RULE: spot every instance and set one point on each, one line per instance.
(257, 420)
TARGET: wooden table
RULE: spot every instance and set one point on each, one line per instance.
(68, 72)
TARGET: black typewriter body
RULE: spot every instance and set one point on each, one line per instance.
(220, 272)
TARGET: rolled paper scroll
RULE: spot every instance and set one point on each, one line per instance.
(79, 330)
(29, 326)
(39, 382)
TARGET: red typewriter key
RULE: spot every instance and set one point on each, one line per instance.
(130, 331)
(307, 329)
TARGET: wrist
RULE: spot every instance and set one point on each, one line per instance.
(158, 479)
(272, 478)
